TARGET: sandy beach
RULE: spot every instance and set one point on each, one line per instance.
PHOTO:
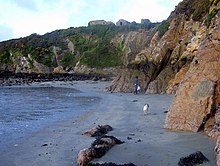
(147, 143)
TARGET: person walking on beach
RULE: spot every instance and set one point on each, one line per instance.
(136, 84)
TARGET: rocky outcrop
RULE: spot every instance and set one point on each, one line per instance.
(124, 82)
(98, 147)
(98, 131)
(59, 70)
(108, 71)
(40, 68)
(196, 158)
(164, 55)
(161, 57)
(58, 54)
(199, 91)
(23, 64)
(159, 85)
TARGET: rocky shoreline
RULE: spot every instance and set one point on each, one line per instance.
(11, 79)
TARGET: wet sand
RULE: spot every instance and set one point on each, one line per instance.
(147, 143)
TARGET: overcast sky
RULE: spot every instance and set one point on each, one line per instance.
(20, 18)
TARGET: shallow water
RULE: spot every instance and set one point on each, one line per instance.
(24, 110)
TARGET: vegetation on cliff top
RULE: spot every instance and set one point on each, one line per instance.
(93, 46)
(163, 27)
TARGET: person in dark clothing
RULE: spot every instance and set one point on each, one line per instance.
(136, 84)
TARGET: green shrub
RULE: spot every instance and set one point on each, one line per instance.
(47, 60)
(96, 50)
(5, 57)
(214, 2)
(101, 56)
(163, 27)
(210, 16)
(120, 48)
(68, 59)
(200, 10)
(16, 52)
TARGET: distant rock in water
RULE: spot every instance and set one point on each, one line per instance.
(193, 159)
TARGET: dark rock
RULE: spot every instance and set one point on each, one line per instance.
(44, 145)
(106, 141)
(193, 159)
(131, 134)
(98, 131)
(138, 141)
(98, 149)
(85, 156)
(95, 78)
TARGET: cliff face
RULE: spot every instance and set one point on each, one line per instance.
(160, 54)
(150, 55)
(199, 95)
(184, 61)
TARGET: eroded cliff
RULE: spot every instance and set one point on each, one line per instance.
(160, 53)
(184, 60)
(198, 94)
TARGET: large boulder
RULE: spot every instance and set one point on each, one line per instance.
(196, 158)
(198, 93)
(59, 70)
(39, 68)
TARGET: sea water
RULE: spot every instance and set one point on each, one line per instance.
(24, 110)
